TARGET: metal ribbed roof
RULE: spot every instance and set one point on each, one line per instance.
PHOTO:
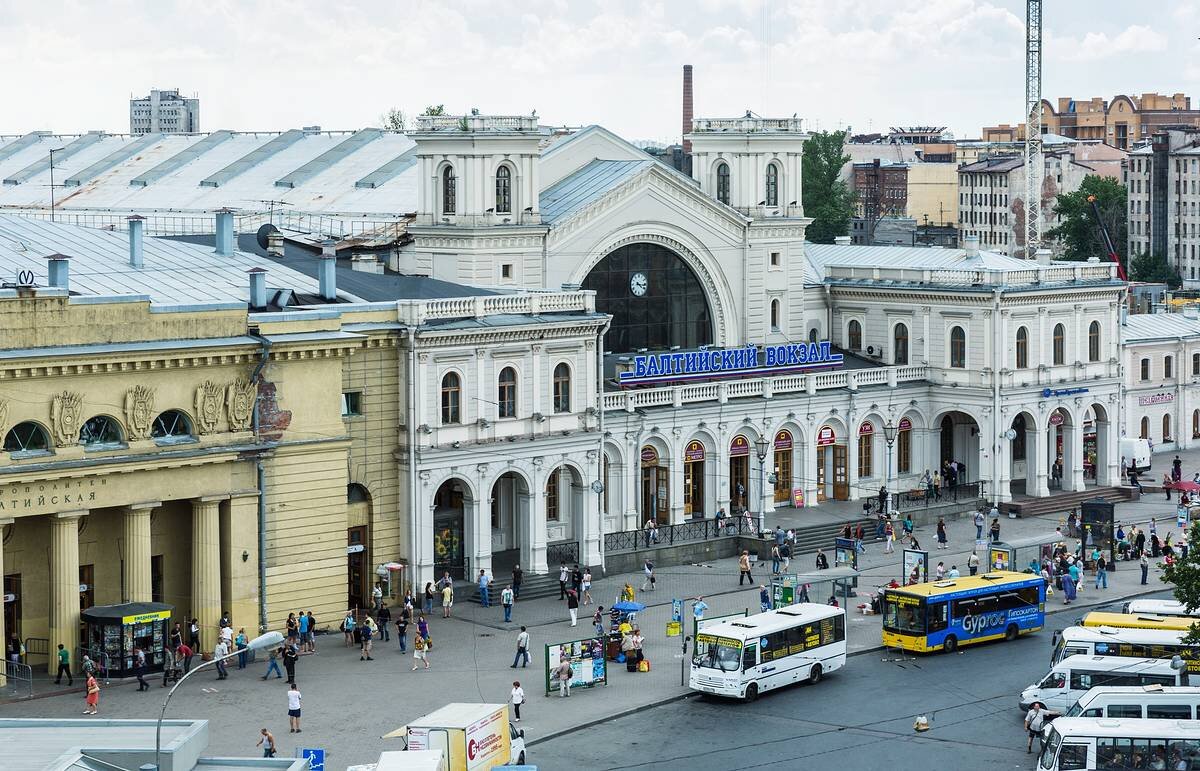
(587, 184)
(1144, 327)
(252, 158)
(918, 257)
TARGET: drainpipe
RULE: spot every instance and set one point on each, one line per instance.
(410, 429)
(828, 313)
(600, 457)
(997, 344)
(261, 474)
(745, 286)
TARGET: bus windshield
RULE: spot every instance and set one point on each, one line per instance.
(721, 653)
(904, 614)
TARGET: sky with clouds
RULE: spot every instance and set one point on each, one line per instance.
(276, 64)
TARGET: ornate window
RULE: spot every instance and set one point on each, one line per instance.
(552, 513)
(449, 188)
(772, 184)
(1060, 344)
(101, 432)
(172, 426)
(451, 399)
(866, 453)
(27, 437)
(1022, 348)
(1094, 341)
(900, 345)
(503, 190)
(854, 335)
(904, 451)
(562, 388)
(506, 396)
(723, 183)
(774, 315)
(958, 348)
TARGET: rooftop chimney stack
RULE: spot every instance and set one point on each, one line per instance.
(59, 270)
(687, 108)
(971, 246)
(1044, 256)
(224, 233)
(258, 288)
(328, 277)
(135, 240)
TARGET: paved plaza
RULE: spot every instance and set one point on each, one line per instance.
(349, 704)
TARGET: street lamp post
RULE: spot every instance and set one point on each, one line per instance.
(268, 640)
(52, 152)
(889, 436)
(760, 449)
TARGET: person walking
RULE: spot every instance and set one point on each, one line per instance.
(942, 540)
(776, 559)
(889, 538)
(1145, 563)
(563, 674)
(429, 597)
(563, 575)
(506, 601)
(348, 625)
(272, 664)
(587, 586)
(940, 571)
(1101, 573)
(1035, 719)
(92, 697)
(420, 652)
(979, 522)
(139, 668)
(522, 649)
(648, 572)
(423, 628)
(937, 485)
(518, 576)
(517, 697)
(302, 622)
(383, 619)
(219, 653)
(744, 569)
(267, 742)
(293, 702)
(64, 666)
(289, 662)
(577, 580)
(698, 608)
(764, 598)
(598, 620)
(368, 635)
(573, 605)
(785, 551)
(973, 563)
(484, 582)
(243, 644)
(995, 529)
(402, 628)
(293, 629)
(447, 599)
(185, 652)
(194, 633)
(822, 562)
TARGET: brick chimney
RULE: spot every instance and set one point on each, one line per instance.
(687, 107)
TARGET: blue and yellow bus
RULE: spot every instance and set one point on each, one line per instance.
(941, 615)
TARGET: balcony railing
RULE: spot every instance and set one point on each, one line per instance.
(530, 303)
(1039, 274)
(505, 123)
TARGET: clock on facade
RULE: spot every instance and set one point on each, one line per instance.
(638, 284)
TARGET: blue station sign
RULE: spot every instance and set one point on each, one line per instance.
(676, 366)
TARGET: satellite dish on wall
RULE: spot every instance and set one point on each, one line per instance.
(870, 350)
(263, 233)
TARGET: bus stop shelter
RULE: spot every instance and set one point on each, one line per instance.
(1021, 554)
(821, 585)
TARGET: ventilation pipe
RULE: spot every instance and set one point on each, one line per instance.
(328, 277)
(59, 270)
(258, 288)
(135, 240)
(971, 246)
(687, 108)
(1043, 256)
(224, 232)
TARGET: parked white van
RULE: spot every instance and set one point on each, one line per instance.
(1146, 701)
(1074, 676)
(1159, 608)
(1136, 454)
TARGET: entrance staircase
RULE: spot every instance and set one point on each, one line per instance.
(1064, 502)
(533, 587)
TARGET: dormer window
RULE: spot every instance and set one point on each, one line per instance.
(449, 188)
(503, 190)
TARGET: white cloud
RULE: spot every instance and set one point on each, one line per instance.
(1136, 38)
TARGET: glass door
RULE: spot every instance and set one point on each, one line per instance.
(841, 478)
(822, 456)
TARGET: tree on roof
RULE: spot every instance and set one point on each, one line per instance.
(1078, 230)
(394, 120)
(827, 199)
(435, 109)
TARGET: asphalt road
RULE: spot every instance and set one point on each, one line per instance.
(860, 717)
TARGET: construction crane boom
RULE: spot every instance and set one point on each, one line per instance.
(1034, 166)
(1104, 236)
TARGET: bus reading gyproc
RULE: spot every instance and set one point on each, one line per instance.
(941, 615)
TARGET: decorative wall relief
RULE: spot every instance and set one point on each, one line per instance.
(3, 417)
(239, 401)
(66, 415)
(139, 411)
(209, 396)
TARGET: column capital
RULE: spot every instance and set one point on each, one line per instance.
(7, 521)
(211, 498)
(143, 506)
(70, 515)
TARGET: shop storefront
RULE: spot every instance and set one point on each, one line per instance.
(833, 478)
(783, 466)
(116, 630)
(739, 472)
(655, 486)
(693, 478)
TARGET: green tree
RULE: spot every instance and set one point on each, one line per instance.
(1079, 232)
(1185, 575)
(1153, 268)
(827, 199)
(435, 109)
(394, 120)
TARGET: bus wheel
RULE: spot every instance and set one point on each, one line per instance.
(814, 676)
(1011, 633)
(752, 692)
(950, 644)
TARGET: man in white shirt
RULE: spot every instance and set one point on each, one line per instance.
(293, 698)
(219, 653)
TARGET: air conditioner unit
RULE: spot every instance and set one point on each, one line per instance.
(870, 350)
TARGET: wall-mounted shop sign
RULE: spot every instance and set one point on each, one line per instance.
(739, 447)
(1056, 419)
(693, 452)
(675, 366)
(1048, 392)
(1156, 399)
(783, 440)
(905, 424)
(866, 429)
(649, 456)
(826, 436)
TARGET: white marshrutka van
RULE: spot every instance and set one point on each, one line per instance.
(1074, 676)
(1154, 702)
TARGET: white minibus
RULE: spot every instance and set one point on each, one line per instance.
(1074, 676)
(1135, 643)
(1159, 608)
(1144, 701)
(743, 657)
(1107, 744)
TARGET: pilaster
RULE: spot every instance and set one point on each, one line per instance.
(64, 581)
(136, 565)
(206, 568)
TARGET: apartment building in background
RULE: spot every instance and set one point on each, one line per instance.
(164, 112)
(1122, 122)
(1163, 180)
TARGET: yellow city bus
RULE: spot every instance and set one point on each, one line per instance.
(1137, 621)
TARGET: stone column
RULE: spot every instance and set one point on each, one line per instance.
(206, 568)
(1073, 466)
(136, 567)
(64, 583)
(3, 632)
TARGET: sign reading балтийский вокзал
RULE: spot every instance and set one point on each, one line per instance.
(674, 366)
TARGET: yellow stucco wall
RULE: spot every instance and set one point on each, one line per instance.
(933, 193)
